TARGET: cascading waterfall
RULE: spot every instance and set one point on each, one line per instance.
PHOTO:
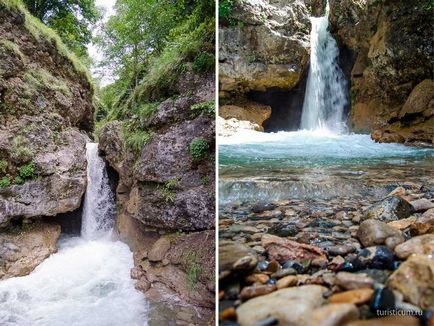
(87, 282)
(99, 202)
(325, 96)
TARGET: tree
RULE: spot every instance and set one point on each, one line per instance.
(70, 18)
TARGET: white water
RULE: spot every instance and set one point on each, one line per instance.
(87, 282)
(325, 96)
(99, 203)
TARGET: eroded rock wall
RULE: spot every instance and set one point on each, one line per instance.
(166, 201)
(391, 81)
(45, 112)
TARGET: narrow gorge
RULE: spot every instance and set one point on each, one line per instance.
(107, 211)
(325, 217)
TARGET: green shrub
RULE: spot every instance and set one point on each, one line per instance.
(206, 107)
(205, 180)
(4, 182)
(3, 166)
(135, 139)
(204, 62)
(28, 171)
(225, 8)
(198, 148)
(20, 151)
(18, 180)
(168, 191)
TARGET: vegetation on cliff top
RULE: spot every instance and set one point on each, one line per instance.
(41, 31)
(149, 44)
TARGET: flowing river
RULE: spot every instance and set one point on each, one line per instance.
(87, 282)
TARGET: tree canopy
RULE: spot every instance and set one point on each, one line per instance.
(71, 19)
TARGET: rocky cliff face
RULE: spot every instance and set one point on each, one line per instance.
(391, 86)
(263, 45)
(165, 190)
(45, 111)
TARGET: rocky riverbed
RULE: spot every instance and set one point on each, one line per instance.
(329, 262)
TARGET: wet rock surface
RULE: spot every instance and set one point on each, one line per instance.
(359, 264)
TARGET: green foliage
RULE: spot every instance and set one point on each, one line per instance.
(4, 182)
(27, 171)
(40, 31)
(203, 108)
(198, 148)
(168, 190)
(193, 268)
(225, 8)
(204, 62)
(18, 180)
(205, 180)
(134, 139)
(41, 78)
(3, 166)
(71, 19)
(20, 151)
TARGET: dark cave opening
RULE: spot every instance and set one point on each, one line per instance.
(70, 222)
(286, 106)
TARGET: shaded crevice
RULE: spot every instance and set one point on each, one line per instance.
(70, 222)
(347, 59)
(286, 106)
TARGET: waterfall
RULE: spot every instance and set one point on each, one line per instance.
(325, 97)
(87, 282)
(99, 202)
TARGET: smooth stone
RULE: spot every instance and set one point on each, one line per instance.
(272, 267)
(290, 306)
(415, 280)
(242, 229)
(352, 281)
(425, 224)
(380, 257)
(284, 230)
(340, 250)
(423, 244)
(263, 264)
(294, 265)
(232, 290)
(421, 205)
(373, 232)
(383, 299)
(228, 313)
(282, 249)
(159, 250)
(390, 209)
(260, 207)
(357, 296)
(387, 321)
(334, 314)
(284, 272)
(256, 290)
(234, 256)
(257, 278)
(286, 281)
(404, 223)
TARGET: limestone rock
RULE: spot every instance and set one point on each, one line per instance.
(159, 250)
(334, 314)
(357, 296)
(268, 49)
(291, 306)
(421, 205)
(423, 244)
(373, 232)
(425, 224)
(246, 111)
(351, 281)
(23, 249)
(235, 257)
(282, 249)
(390, 209)
(415, 280)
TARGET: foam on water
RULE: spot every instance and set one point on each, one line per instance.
(87, 282)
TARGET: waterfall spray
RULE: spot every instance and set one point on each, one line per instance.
(326, 88)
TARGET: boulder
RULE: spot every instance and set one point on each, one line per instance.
(235, 257)
(415, 280)
(390, 209)
(423, 244)
(291, 306)
(373, 232)
(24, 248)
(283, 250)
(246, 111)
